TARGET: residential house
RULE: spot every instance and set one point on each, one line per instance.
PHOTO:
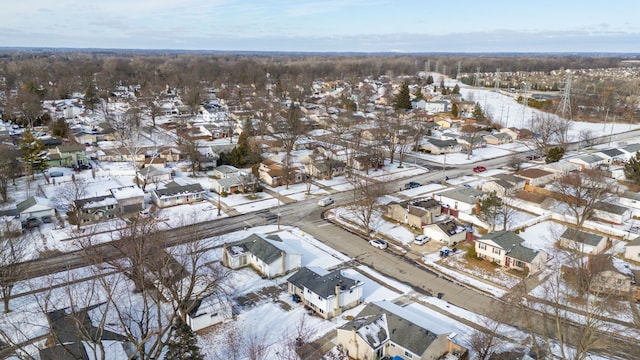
(632, 250)
(535, 176)
(501, 187)
(583, 242)
(68, 155)
(612, 155)
(154, 175)
(328, 294)
(630, 151)
(10, 223)
(449, 232)
(474, 140)
(437, 146)
(217, 130)
(155, 162)
(118, 155)
(209, 311)
(588, 161)
(630, 199)
(460, 199)
(274, 174)
(72, 336)
(94, 210)
(225, 171)
(364, 162)
(512, 132)
(35, 207)
(498, 138)
(130, 199)
(268, 255)
(175, 194)
(606, 279)
(414, 213)
(322, 168)
(384, 330)
(85, 137)
(505, 248)
(611, 213)
(560, 168)
(231, 184)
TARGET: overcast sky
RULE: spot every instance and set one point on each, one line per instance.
(326, 25)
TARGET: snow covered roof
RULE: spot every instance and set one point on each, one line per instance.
(127, 192)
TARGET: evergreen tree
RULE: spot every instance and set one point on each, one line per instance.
(456, 89)
(632, 168)
(91, 96)
(554, 155)
(419, 94)
(183, 345)
(33, 154)
(477, 113)
(403, 100)
(429, 80)
(454, 110)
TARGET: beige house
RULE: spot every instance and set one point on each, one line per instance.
(448, 232)
(274, 174)
(536, 177)
(606, 279)
(632, 250)
(386, 330)
(414, 213)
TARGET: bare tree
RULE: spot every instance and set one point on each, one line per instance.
(288, 128)
(13, 251)
(366, 193)
(549, 131)
(128, 134)
(8, 166)
(484, 339)
(471, 134)
(581, 191)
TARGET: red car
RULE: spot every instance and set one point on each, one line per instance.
(479, 169)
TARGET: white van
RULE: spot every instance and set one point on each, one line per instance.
(325, 201)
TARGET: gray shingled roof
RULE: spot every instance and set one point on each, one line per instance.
(180, 189)
(610, 208)
(512, 243)
(401, 331)
(323, 285)
(581, 236)
(260, 246)
(462, 194)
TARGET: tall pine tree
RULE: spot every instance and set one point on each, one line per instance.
(183, 345)
(403, 99)
(632, 168)
(34, 156)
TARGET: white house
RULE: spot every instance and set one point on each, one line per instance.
(175, 194)
(208, 312)
(536, 177)
(35, 207)
(505, 248)
(630, 199)
(328, 294)
(588, 161)
(583, 242)
(449, 232)
(268, 255)
(611, 213)
(461, 199)
(632, 250)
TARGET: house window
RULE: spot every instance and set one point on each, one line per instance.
(603, 278)
(408, 354)
(619, 281)
(482, 246)
(496, 251)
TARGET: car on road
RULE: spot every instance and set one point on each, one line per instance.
(270, 217)
(533, 157)
(421, 240)
(379, 243)
(412, 184)
(325, 201)
(478, 169)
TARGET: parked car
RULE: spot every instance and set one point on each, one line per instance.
(533, 157)
(379, 243)
(31, 223)
(412, 184)
(421, 240)
(478, 169)
(325, 201)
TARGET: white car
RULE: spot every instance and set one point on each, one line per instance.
(380, 244)
(421, 240)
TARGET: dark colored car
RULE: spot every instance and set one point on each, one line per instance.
(412, 184)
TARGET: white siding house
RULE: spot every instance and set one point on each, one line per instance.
(328, 294)
(266, 254)
(208, 312)
(505, 249)
(583, 242)
(632, 250)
